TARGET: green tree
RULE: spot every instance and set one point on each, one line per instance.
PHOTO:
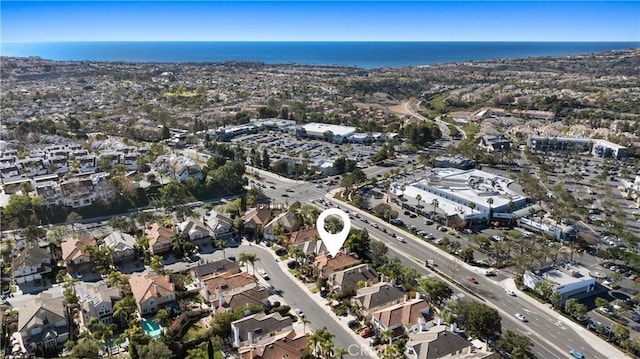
(266, 161)
(478, 318)
(379, 252)
(165, 132)
(511, 342)
(157, 264)
(358, 242)
(20, 208)
(437, 292)
(163, 317)
(124, 309)
(156, 349)
(601, 302)
(467, 255)
(86, 348)
(321, 342)
(246, 258)
(621, 332)
(57, 234)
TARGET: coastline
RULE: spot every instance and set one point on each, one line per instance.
(366, 55)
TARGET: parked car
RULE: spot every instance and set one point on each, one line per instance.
(374, 341)
(605, 310)
(353, 324)
(366, 332)
(299, 312)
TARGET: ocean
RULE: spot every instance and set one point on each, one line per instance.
(358, 54)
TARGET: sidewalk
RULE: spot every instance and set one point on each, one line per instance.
(599, 345)
(322, 302)
(273, 175)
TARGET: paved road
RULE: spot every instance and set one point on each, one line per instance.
(553, 337)
(291, 293)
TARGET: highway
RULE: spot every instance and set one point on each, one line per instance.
(553, 336)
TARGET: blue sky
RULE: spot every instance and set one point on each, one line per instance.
(31, 21)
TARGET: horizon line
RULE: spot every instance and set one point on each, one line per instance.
(319, 41)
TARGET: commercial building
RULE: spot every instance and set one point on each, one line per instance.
(454, 161)
(326, 132)
(467, 194)
(568, 279)
(597, 147)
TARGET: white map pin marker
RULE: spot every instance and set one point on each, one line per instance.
(333, 242)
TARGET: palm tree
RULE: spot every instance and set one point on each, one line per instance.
(304, 322)
(340, 352)
(435, 203)
(490, 202)
(387, 335)
(297, 253)
(114, 278)
(511, 205)
(471, 205)
(220, 244)
(124, 309)
(156, 264)
(246, 258)
(321, 339)
(418, 199)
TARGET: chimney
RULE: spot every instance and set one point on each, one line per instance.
(440, 320)
(250, 337)
(418, 295)
(454, 327)
(406, 297)
(393, 282)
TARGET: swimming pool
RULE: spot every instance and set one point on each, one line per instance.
(152, 328)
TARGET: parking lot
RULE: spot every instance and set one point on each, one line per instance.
(283, 146)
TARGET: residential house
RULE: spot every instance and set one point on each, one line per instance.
(74, 254)
(195, 230)
(289, 345)
(328, 265)
(220, 225)
(152, 291)
(30, 265)
(216, 267)
(313, 247)
(78, 192)
(304, 235)
(255, 219)
(286, 222)
(254, 296)
(380, 295)
(403, 317)
(214, 287)
(160, 237)
(182, 168)
(493, 144)
(122, 246)
(49, 193)
(96, 301)
(439, 343)
(350, 279)
(42, 322)
(258, 328)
